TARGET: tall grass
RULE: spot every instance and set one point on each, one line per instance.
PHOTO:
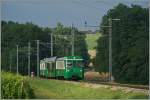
(56, 89)
(15, 86)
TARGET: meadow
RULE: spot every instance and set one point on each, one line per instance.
(91, 40)
(58, 89)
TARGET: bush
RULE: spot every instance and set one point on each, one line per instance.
(15, 87)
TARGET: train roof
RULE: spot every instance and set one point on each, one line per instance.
(73, 57)
(70, 58)
(52, 59)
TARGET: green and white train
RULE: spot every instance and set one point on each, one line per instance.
(68, 67)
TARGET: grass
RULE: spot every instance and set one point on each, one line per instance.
(56, 89)
(91, 40)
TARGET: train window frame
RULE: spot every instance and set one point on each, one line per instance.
(70, 65)
(42, 66)
(79, 62)
(58, 63)
(74, 61)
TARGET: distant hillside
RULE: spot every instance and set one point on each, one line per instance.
(91, 40)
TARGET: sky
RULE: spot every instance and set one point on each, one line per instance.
(47, 13)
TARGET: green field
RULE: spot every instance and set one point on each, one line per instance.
(55, 89)
(91, 40)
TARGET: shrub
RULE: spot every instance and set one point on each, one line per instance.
(15, 87)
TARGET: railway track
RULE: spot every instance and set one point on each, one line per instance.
(121, 85)
(127, 88)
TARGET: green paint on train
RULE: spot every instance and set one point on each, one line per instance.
(68, 67)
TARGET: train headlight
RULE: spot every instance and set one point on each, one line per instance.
(80, 70)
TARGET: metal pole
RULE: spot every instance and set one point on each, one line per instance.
(37, 58)
(72, 40)
(110, 44)
(10, 60)
(110, 49)
(29, 46)
(17, 59)
(51, 44)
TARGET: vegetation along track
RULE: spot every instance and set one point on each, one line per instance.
(113, 86)
(145, 87)
(122, 85)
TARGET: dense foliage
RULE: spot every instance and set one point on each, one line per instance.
(130, 40)
(15, 87)
(15, 33)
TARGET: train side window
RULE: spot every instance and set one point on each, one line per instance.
(53, 65)
(42, 66)
(79, 63)
(49, 65)
(60, 65)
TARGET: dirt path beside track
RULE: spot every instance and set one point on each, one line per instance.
(114, 88)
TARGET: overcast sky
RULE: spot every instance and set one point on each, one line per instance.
(47, 13)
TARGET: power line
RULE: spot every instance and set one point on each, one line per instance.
(84, 4)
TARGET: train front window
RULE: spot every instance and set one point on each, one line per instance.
(75, 63)
(79, 63)
(69, 64)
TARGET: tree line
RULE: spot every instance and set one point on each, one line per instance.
(14, 33)
(130, 43)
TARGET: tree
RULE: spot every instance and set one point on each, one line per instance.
(129, 44)
(63, 42)
(15, 33)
